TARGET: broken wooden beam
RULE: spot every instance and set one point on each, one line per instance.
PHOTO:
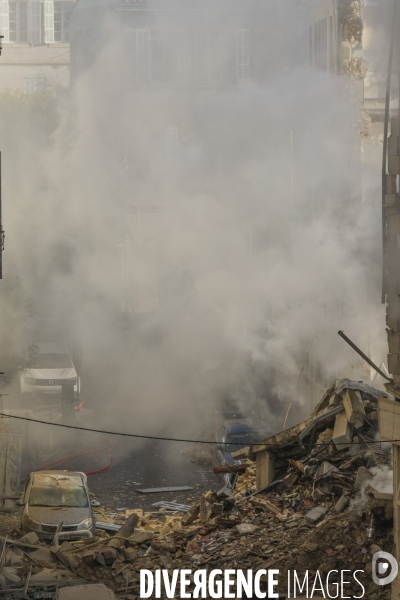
(242, 453)
(296, 464)
(267, 505)
(126, 531)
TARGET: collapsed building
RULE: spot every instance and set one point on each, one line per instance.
(347, 415)
(306, 499)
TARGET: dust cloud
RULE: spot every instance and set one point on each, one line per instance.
(249, 244)
(382, 479)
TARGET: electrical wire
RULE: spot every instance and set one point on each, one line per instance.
(168, 439)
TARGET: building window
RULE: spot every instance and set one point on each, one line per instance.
(61, 21)
(32, 85)
(48, 15)
(35, 19)
(321, 42)
(321, 45)
(143, 56)
(187, 56)
(242, 54)
(331, 56)
(18, 21)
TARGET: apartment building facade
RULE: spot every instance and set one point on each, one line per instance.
(174, 61)
(175, 43)
(35, 44)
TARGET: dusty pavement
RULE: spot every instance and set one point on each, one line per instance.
(322, 516)
(156, 464)
(150, 463)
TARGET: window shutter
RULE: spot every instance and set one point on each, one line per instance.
(242, 54)
(48, 21)
(34, 22)
(4, 20)
(143, 55)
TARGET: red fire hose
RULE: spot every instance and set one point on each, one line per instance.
(60, 461)
(101, 469)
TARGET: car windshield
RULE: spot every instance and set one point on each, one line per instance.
(235, 441)
(59, 360)
(58, 495)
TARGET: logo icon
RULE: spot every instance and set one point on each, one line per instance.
(386, 560)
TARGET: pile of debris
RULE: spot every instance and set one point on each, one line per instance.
(320, 513)
(351, 21)
(335, 448)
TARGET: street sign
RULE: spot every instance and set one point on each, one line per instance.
(122, 245)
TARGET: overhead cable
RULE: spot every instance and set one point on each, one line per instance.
(169, 439)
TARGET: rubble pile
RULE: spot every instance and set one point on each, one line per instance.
(351, 21)
(320, 513)
(250, 535)
(334, 450)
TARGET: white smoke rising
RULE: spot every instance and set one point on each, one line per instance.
(382, 479)
(259, 228)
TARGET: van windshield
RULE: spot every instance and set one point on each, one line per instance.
(59, 360)
(58, 495)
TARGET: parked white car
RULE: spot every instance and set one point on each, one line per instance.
(52, 368)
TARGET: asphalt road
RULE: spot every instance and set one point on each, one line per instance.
(134, 465)
(150, 464)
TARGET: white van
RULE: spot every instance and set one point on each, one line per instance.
(51, 369)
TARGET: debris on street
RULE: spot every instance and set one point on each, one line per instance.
(172, 506)
(321, 512)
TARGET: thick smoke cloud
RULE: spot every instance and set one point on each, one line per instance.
(258, 238)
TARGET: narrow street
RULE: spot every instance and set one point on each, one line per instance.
(152, 465)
